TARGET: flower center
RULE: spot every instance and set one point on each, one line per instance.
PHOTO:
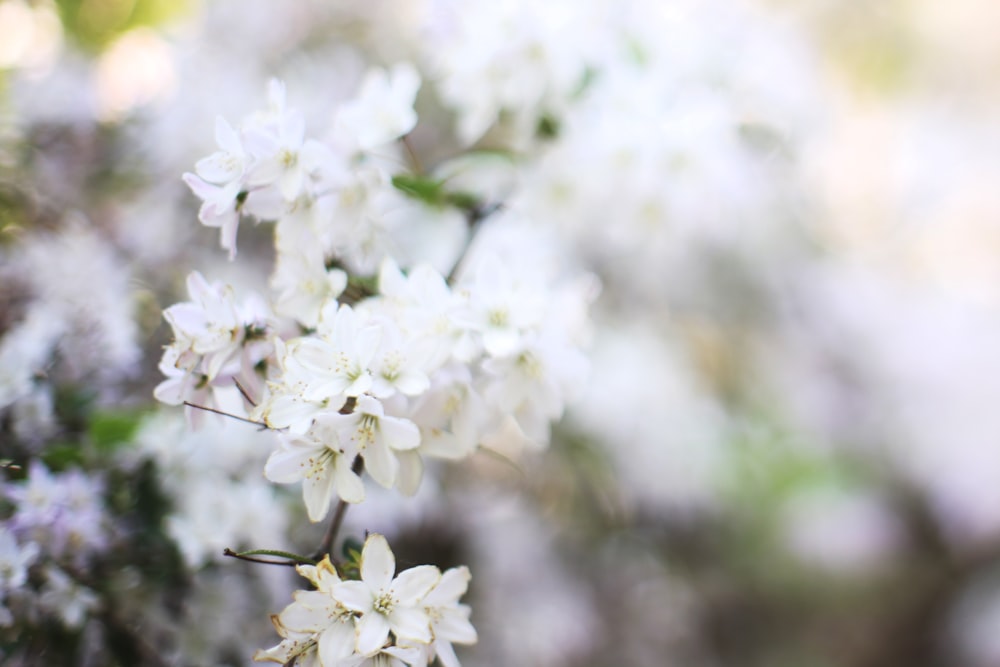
(383, 604)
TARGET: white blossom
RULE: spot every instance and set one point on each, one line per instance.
(387, 604)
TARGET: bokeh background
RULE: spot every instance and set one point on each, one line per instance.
(788, 450)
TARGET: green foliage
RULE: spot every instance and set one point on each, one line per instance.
(110, 430)
(433, 192)
(548, 128)
(93, 24)
(351, 550)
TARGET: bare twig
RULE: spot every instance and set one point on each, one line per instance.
(226, 414)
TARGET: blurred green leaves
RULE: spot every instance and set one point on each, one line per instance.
(95, 23)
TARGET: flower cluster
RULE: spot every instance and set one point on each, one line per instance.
(421, 369)
(377, 620)
(409, 317)
(216, 344)
(371, 352)
(59, 524)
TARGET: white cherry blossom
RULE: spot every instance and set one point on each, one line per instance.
(383, 110)
(369, 432)
(316, 460)
(316, 628)
(387, 604)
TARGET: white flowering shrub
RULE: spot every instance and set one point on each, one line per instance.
(365, 361)
(471, 332)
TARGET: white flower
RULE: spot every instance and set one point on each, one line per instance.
(451, 415)
(316, 459)
(14, 560)
(319, 373)
(317, 629)
(449, 619)
(399, 364)
(383, 110)
(218, 181)
(283, 157)
(209, 324)
(387, 604)
(422, 304)
(303, 283)
(218, 208)
(389, 656)
(376, 436)
(67, 599)
(500, 307)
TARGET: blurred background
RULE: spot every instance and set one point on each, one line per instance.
(788, 450)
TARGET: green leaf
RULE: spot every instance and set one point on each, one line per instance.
(59, 456)
(427, 190)
(108, 430)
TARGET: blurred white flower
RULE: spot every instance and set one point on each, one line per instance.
(383, 109)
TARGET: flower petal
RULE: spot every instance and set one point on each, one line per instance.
(336, 642)
(377, 563)
(381, 463)
(410, 623)
(399, 433)
(372, 631)
(453, 585)
(349, 485)
(355, 595)
(453, 625)
(413, 584)
(317, 492)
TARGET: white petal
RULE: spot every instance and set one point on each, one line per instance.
(446, 654)
(300, 618)
(413, 584)
(317, 492)
(453, 585)
(411, 472)
(377, 562)
(372, 631)
(286, 466)
(349, 485)
(410, 623)
(453, 625)
(412, 383)
(355, 595)
(219, 168)
(381, 463)
(399, 433)
(336, 642)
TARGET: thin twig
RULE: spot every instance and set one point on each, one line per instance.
(227, 414)
(243, 392)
